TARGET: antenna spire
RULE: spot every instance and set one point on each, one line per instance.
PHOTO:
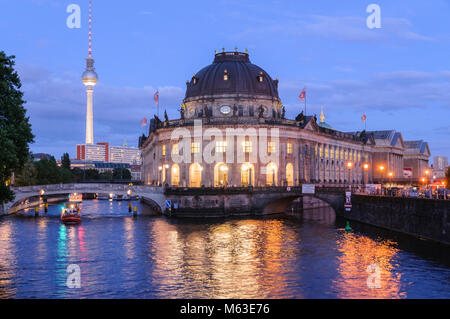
(90, 28)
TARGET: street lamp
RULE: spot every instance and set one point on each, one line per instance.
(248, 168)
(390, 174)
(159, 175)
(349, 167)
(166, 167)
(427, 172)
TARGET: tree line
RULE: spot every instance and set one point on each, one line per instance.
(46, 171)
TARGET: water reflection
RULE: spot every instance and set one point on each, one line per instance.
(7, 260)
(358, 253)
(154, 257)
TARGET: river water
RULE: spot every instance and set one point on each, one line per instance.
(154, 257)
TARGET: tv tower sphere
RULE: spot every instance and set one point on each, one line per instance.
(89, 76)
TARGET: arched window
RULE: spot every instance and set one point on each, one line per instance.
(290, 174)
(220, 175)
(271, 174)
(195, 175)
(247, 174)
(175, 175)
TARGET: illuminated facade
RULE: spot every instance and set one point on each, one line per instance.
(232, 94)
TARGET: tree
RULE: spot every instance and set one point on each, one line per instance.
(27, 176)
(121, 173)
(107, 175)
(15, 129)
(92, 174)
(65, 161)
(47, 171)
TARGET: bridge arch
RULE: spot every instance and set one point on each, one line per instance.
(153, 196)
(278, 204)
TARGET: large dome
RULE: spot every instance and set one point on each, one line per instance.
(231, 73)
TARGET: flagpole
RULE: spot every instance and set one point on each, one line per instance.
(305, 98)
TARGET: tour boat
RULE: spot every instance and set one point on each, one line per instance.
(75, 198)
(71, 213)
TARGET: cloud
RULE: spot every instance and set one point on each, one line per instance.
(381, 91)
(345, 28)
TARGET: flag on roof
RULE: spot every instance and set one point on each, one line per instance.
(302, 95)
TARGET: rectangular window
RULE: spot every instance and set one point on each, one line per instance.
(241, 111)
(332, 153)
(195, 147)
(247, 146)
(321, 152)
(326, 152)
(221, 147)
(346, 155)
(175, 149)
(315, 150)
(359, 157)
(289, 148)
(163, 150)
(250, 111)
(342, 155)
(271, 147)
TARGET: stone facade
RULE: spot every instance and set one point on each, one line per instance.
(233, 95)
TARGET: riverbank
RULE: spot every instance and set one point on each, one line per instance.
(418, 217)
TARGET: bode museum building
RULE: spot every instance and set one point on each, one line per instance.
(232, 131)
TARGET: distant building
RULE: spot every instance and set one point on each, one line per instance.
(388, 154)
(93, 152)
(416, 157)
(440, 165)
(135, 172)
(102, 152)
(123, 154)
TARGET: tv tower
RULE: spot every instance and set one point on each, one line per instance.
(90, 79)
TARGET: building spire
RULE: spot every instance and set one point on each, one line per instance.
(322, 117)
(90, 28)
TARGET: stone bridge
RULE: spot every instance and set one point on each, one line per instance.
(153, 195)
(188, 202)
(240, 201)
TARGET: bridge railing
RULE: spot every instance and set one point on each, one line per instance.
(95, 188)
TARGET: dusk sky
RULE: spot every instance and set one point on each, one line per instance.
(398, 75)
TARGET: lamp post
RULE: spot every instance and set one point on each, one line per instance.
(248, 168)
(349, 167)
(391, 175)
(366, 173)
(166, 167)
(427, 172)
(159, 175)
(381, 168)
(273, 176)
